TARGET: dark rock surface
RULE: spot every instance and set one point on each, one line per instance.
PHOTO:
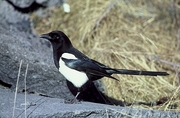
(43, 107)
(22, 3)
(27, 3)
(19, 43)
(10, 15)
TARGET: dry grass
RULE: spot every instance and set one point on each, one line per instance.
(138, 34)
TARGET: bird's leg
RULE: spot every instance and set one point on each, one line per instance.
(77, 95)
(75, 100)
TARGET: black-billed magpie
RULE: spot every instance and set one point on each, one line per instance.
(78, 68)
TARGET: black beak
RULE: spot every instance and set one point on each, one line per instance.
(45, 36)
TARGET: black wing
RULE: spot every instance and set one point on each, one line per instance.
(89, 67)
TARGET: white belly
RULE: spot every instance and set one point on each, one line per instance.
(77, 78)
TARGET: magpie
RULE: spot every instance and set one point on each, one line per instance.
(79, 69)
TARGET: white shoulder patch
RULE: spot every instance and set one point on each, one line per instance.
(77, 78)
(68, 56)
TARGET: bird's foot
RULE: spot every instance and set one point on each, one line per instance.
(73, 101)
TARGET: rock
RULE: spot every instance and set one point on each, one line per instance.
(39, 106)
(21, 3)
(12, 19)
(10, 14)
(24, 4)
(49, 3)
(18, 43)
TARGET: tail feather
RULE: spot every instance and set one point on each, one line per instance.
(136, 72)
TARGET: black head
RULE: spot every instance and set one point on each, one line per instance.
(58, 39)
(60, 43)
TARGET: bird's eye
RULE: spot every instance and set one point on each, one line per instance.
(57, 37)
(54, 36)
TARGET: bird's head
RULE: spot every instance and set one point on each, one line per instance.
(58, 39)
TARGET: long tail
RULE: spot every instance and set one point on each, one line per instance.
(136, 72)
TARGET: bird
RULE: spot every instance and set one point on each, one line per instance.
(78, 68)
